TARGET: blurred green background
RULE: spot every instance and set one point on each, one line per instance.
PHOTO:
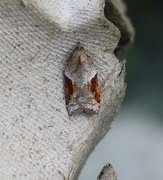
(145, 58)
(134, 144)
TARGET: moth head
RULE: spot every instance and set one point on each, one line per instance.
(79, 47)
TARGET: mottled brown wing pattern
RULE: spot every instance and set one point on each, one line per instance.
(95, 89)
(68, 89)
(82, 91)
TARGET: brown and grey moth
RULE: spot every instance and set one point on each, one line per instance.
(82, 91)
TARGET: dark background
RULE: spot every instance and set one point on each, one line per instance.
(145, 58)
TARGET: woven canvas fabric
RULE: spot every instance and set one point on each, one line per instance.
(38, 140)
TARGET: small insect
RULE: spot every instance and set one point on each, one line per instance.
(82, 91)
(107, 173)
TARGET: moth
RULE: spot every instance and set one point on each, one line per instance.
(82, 92)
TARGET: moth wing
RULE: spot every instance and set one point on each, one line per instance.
(69, 88)
(94, 88)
